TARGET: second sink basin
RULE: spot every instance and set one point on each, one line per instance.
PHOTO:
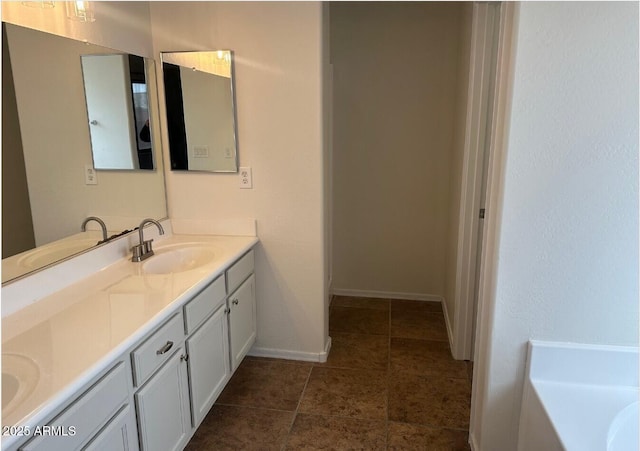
(20, 377)
(179, 258)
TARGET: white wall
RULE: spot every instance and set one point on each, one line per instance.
(567, 258)
(278, 56)
(47, 72)
(395, 71)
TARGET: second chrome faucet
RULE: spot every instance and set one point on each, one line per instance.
(144, 250)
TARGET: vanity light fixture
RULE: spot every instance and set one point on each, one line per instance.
(80, 11)
(39, 4)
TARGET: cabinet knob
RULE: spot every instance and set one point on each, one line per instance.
(227, 310)
(234, 302)
(165, 348)
(184, 357)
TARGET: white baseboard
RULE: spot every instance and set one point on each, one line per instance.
(472, 443)
(449, 324)
(387, 295)
(285, 354)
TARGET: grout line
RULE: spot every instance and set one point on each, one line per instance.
(252, 407)
(295, 413)
(386, 442)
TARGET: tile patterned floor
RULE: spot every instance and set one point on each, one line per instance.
(389, 384)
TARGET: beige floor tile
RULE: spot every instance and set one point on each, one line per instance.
(409, 437)
(242, 428)
(409, 381)
(358, 351)
(359, 302)
(359, 321)
(424, 306)
(346, 393)
(425, 357)
(266, 383)
(430, 401)
(311, 432)
(418, 324)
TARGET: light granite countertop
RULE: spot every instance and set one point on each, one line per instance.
(75, 333)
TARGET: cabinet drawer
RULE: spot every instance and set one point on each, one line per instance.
(87, 414)
(157, 349)
(239, 271)
(204, 304)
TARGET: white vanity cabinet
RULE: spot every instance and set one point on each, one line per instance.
(164, 419)
(207, 347)
(119, 435)
(242, 307)
(162, 400)
(209, 370)
(104, 408)
(242, 320)
(160, 389)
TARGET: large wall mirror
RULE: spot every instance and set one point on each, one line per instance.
(52, 175)
(200, 105)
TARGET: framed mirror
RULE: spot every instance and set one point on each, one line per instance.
(201, 114)
(50, 184)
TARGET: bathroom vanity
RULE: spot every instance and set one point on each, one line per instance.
(133, 356)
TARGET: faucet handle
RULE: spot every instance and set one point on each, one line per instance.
(138, 252)
(148, 247)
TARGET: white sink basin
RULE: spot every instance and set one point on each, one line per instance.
(56, 251)
(179, 258)
(20, 376)
(623, 432)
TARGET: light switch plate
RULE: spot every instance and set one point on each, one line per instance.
(90, 176)
(246, 180)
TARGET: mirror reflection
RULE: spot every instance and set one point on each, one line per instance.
(49, 182)
(118, 111)
(199, 97)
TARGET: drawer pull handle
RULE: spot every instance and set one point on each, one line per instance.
(234, 302)
(165, 348)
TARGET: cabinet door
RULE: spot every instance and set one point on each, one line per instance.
(164, 420)
(87, 414)
(242, 321)
(209, 370)
(119, 435)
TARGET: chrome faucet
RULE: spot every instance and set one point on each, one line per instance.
(144, 250)
(99, 221)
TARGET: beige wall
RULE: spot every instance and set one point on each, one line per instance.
(17, 225)
(208, 120)
(278, 57)
(395, 80)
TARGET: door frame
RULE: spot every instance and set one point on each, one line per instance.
(478, 120)
(499, 134)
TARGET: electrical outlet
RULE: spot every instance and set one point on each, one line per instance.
(90, 176)
(246, 180)
(201, 151)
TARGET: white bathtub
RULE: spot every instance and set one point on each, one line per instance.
(580, 398)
